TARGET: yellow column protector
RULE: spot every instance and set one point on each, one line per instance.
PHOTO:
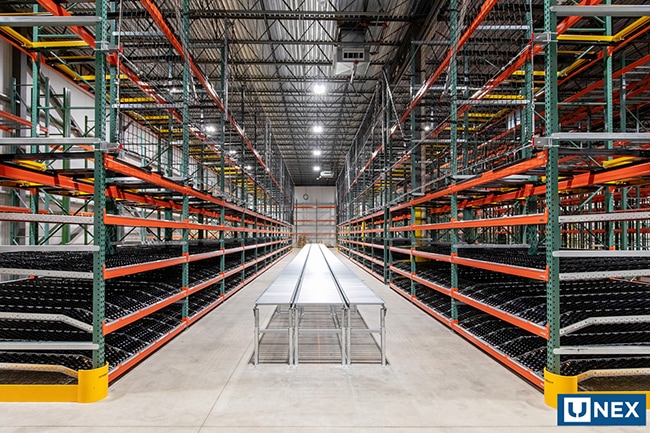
(92, 386)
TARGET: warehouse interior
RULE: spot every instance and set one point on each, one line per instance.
(483, 166)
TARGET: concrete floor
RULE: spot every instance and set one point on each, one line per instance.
(202, 381)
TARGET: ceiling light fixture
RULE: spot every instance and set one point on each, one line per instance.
(210, 128)
(317, 152)
(317, 168)
(248, 167)
(232, 151)
(319, 89)
(427, 128)
(317, 129)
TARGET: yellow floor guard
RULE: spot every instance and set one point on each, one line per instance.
(92, 386)
(555, 384)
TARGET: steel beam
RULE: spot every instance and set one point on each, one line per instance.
(5, 315)
(607, 320)
(43, 21)
(602, 350)
(47, 345)
(602, 11)
(643, 137)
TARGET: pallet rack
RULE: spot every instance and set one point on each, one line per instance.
(170, 223)
(523, 229)
(315, 222)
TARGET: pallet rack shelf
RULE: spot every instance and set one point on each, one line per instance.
(495, 223)
(133, 231)
(230, 263)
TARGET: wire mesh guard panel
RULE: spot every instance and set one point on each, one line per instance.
(317, 347)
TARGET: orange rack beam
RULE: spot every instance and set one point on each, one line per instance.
(535, 274)
(123, 368)
(444, 320)
(430, 311)
(372, 259)
(517, 220)
(401, 272)
(204, 284)
(203, 256)
(501, 357)
(533, 328)
(426, 255)
(108, 327)
(489, 176)
(365, 244)
(373, 273)
(142, 267)
(123, 168)
(429, 284)
(120, 369)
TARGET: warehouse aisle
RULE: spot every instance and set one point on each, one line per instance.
(203, 382)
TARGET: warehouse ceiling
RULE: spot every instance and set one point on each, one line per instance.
(302, 72)
(303, 76)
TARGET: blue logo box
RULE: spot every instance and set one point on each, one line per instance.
(601, 409)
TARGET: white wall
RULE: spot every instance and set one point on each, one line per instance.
(315, 214)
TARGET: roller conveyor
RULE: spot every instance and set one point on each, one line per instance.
(569, 264)
(120, 345)
(526, 299)
(316, 278)
(82, 261)
(29, 303)
(530, 351)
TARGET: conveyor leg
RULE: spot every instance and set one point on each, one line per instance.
(296, 336)
(344, 337)
(348, 338)
(382, 328)
(256, 350)
(291, 333)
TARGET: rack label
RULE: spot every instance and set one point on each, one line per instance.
(601, 409)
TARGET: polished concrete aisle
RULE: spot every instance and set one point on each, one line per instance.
(202, 381)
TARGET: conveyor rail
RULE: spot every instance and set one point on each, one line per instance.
(282, 293)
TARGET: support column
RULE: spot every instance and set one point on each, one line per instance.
(527, 131)
(185, 157)
(608, 88)
(35, 118)
(99, 229)
(222, 159)
(453, 145)
(552, 200)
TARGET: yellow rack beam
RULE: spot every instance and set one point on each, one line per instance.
(482, 115)
(618, 161)
(92, 77)
(510, 97)
(25, 42)
(135, 100)
(618, 37)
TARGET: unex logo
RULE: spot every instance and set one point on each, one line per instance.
(601, 409)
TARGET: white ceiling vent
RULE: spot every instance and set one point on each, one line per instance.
(352, 53)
